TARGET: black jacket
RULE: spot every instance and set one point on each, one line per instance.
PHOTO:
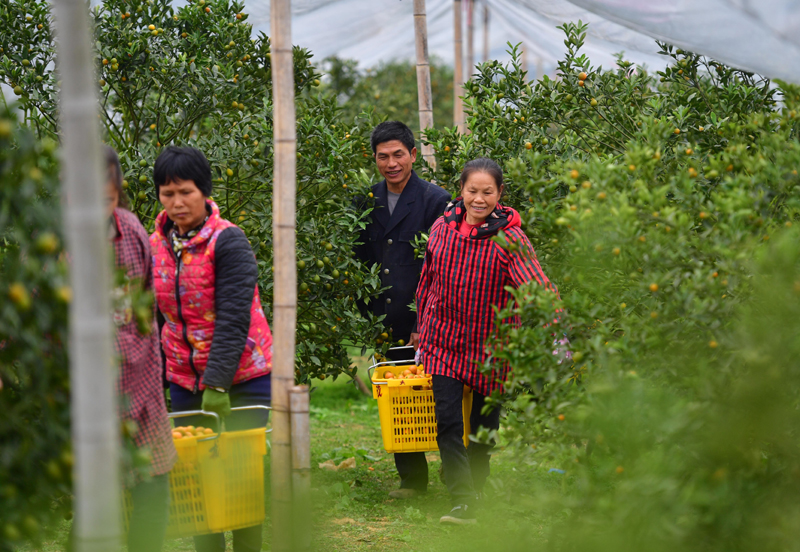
(387, 241)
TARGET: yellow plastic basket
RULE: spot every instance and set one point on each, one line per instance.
(406, 409)
(217, 484)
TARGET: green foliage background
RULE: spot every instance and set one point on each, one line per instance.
(35, 457)
(193, 76)
(664, 207)
(389, 90)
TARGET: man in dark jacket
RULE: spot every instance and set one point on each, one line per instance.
(404, 206)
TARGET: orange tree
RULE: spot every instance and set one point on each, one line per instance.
(653, 201)
(35, 463)
(193, 75)
(390, 89)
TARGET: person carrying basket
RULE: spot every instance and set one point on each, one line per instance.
(465, 274)
(405, 207)
(215, 337)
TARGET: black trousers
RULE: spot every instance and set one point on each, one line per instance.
(256, 391)
(412, 467)
(465, 469)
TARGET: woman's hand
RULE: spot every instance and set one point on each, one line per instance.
(414, 341)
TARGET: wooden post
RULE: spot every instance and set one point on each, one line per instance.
(423, 78)
(285, 291)
(95, 421)
(301, 468)
(523, 62)
(485, 33)
(470, 39)
(458, 70)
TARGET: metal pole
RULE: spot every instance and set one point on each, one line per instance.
(285, 291)
(423, 78)
(301, 467)
(95, 423)
(458, 69)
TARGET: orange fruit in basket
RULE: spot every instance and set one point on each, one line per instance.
(406, 373)
(199, 432)
(189, 428)
(177, 435)
(388, 375)
(208, 431)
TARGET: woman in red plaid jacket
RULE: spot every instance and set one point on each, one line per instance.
(464, 275)
(140, 387)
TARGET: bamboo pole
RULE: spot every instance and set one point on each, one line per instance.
(301, 467)
(458, 70)
(523, 62)
(423, 78)
(285, 291)
(95, 423)
(485, 33)
(470, 39)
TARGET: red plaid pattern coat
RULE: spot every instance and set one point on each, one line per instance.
(462, 278)
(140, 386)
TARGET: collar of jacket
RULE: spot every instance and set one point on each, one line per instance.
(407, 198)
(163, 224)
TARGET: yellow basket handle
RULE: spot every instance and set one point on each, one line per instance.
(387, 362)
(253, 407)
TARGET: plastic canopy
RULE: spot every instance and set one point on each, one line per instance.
(756, 35)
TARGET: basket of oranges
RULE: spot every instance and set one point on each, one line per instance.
(406, 406)
(217, 483)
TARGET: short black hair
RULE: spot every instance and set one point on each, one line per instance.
(392, 130)
(484, 165)
(185, 163)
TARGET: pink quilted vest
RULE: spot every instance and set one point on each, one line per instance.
(184, 289)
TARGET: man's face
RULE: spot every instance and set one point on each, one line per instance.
(395, 162)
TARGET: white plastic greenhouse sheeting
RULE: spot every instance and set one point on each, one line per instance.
(757, 35)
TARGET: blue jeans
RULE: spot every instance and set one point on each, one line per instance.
(257, 391)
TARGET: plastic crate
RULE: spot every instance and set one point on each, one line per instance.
(217, 483)
(406, 409)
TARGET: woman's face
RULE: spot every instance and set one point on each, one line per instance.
(112, 198)
(184, 202)
(481, 194)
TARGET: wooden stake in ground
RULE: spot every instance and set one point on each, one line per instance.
(485, 33)
(423, 78)
(95, 423)
(285, 292)
(301, 467)
(470, 39)
(458, 70)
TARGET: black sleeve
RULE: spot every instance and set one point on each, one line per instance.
(236, 274)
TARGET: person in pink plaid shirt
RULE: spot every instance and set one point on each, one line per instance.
(140, 385)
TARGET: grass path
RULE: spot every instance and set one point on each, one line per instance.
(352, 510)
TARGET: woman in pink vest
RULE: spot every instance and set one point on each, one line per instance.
(215, 337)
(465, 274)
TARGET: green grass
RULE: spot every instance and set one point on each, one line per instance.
(353, 512)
